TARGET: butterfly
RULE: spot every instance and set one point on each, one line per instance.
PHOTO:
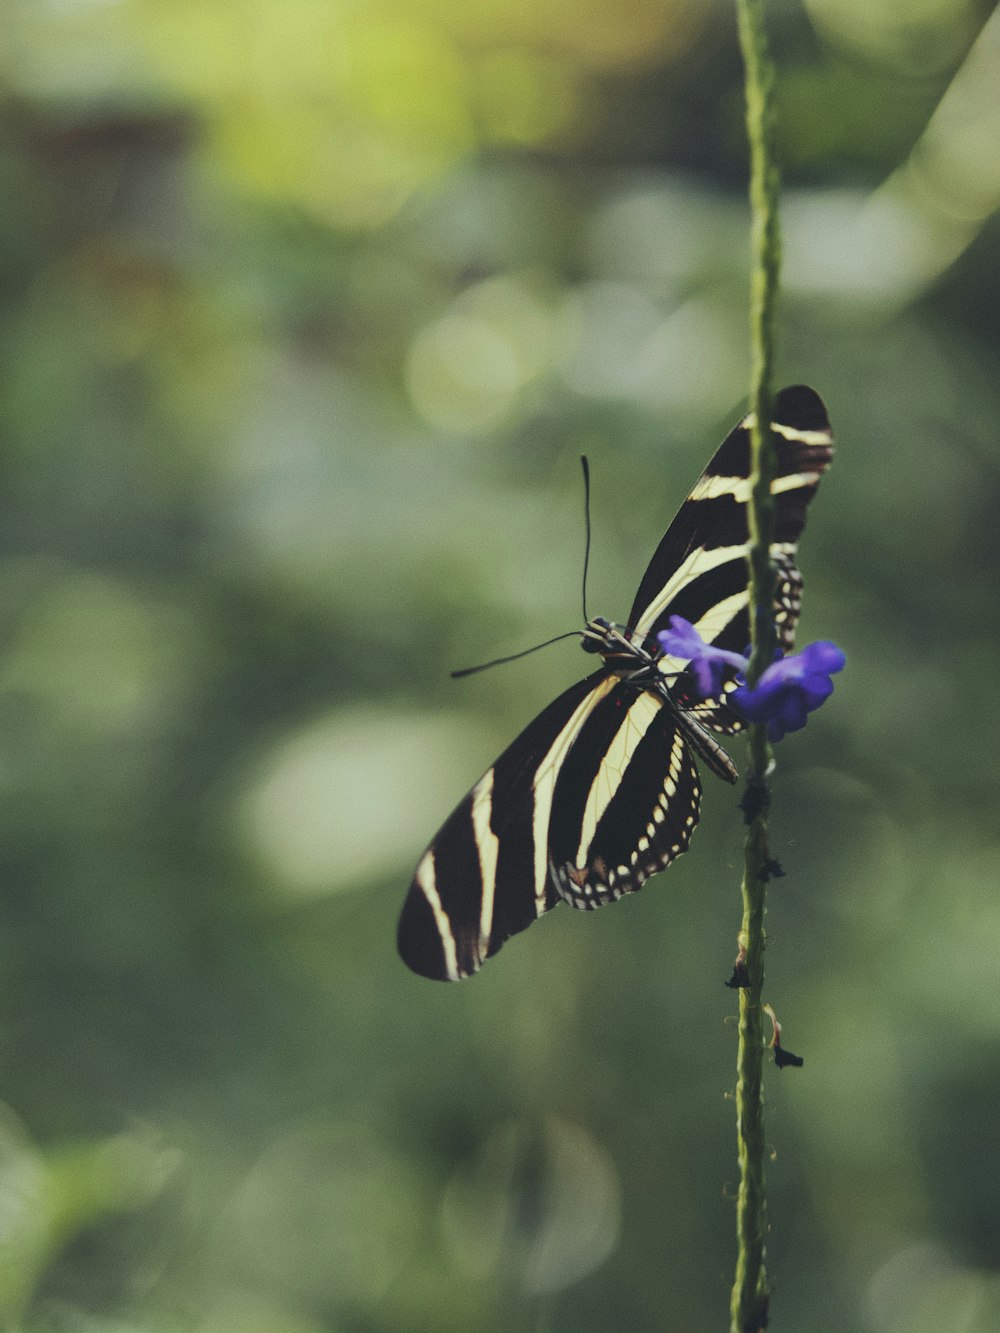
(601, 790)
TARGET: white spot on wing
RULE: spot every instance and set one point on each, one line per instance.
(710, 488)
(794, 481)
(790, 432)
(802, 436)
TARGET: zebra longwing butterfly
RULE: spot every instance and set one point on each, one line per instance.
(601, 790)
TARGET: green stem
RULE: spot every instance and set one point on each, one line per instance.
(749, 1303)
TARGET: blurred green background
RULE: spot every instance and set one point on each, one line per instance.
(308, 309)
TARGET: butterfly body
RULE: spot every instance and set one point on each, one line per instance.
(640, 661)
(602, 790)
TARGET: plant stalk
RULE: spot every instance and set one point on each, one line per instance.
(750, 1294)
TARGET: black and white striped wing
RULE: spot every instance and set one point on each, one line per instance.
(595, 796)
(626, 800)
(486, 874)
(699, 570)
(601, 790)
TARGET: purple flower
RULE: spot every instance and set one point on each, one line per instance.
(790, 689)
(708, 665)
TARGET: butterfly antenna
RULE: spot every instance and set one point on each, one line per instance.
(571, 634)
(586, 519)
(499, 661)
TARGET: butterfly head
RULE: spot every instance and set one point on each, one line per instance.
(594, 638)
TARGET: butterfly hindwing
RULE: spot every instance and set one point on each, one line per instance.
(626, 802)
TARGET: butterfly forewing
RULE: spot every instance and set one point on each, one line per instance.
(699, 570)
(486, 874)
(601, 790)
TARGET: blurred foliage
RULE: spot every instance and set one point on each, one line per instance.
(307, 311)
